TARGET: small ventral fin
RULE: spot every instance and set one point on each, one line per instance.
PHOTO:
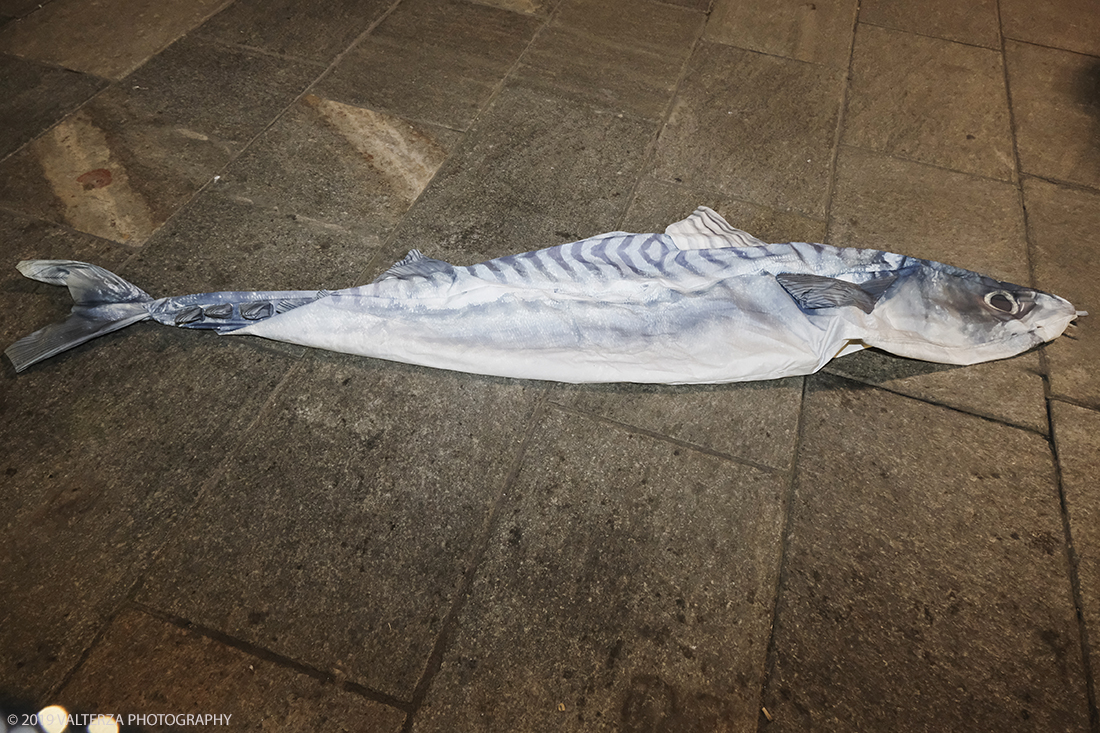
(414, 264)
(817, 291)
(706, 229)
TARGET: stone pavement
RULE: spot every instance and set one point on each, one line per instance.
(313, 542)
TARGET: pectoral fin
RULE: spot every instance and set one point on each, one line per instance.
(816, 291)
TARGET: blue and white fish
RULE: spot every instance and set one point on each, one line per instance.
(702, 303)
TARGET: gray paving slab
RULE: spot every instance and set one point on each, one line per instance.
(341, 531)
(128, 159)
(925, 211)
(620, 55)
(1010, 391)
(34, 96)
(975, 23)
(976, 223)
(221, 243)
(703, 5)
(537, 171)
(100, 461)
(145, 668)
(758, 128)
(310, 31)
(657, 204)
(628, 586)
(1070, 24)
(929, 100)
(1056, 112)
(20, 8)
(355, 168)
(1077, 437)
(1064, 224)
(925, 580)
(436, 62)
(818, 32)
(755, 422)
(540, 8)
(109, 38)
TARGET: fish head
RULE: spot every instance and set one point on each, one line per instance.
(946, 314)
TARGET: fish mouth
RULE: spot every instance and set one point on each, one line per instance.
(1054, 315)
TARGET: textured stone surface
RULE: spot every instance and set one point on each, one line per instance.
(436, 62)
(657, 204)
(127, 160)
(758, 128)
(929, 100)
(100, 463)
(354, 168)
(222, 243)
(108, 38)
(972, 22)
(1065, 236)
(1070, 24)
(619, 55)
(627, 586)
(755, 422)
(536, 172)
(924, 211)
(1009, 390)
(146, 666)
(1077, 435)
(309, 31)
(1056, 110)
(527, 7)
(818, 32)
(19, 8)
(925, 576)
(364, 489)
(34, 96)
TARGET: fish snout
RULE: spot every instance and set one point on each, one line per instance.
(1052, 316)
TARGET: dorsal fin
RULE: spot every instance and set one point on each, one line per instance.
(414, 264)
(706, 229)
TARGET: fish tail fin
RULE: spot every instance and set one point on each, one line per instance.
(103, 302)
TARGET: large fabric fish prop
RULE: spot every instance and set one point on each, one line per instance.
(702, 303)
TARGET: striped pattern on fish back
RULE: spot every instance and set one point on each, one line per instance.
(639, 257)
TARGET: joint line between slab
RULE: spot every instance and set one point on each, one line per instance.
(1073, 562)
(1072, 559)
(645, 167)
(269, 656)
(770, 650)
(211, 481)
(449, 628)
(838, 136)
(667, 438)
(378, 261)
(927, 401)
(220, 172)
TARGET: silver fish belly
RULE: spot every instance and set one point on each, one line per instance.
(701, 303)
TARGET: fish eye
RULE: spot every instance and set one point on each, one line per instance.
(1003, 301)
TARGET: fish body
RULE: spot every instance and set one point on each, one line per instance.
(701, 303)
